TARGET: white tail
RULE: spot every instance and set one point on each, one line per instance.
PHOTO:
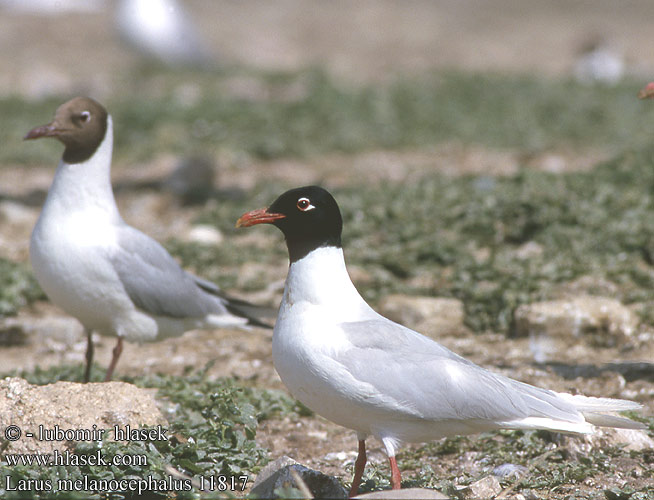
(594, 410)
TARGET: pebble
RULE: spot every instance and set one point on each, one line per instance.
(405, 493)
(487, 487)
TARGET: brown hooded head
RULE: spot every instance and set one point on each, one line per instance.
(80, 124)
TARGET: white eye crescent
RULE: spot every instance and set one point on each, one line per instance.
(85, 116)
(304, 205)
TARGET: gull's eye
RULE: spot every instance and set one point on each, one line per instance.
(85, 116)
(304, 204)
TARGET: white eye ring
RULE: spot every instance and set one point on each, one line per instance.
(304, 204)
(85, 115)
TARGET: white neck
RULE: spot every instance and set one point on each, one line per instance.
(87, 184)
(321, 279)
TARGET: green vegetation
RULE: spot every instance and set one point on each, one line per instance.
(549, 464)
(305, 113)
(213, 425)
(465, 234)
(18, 287)
(212, 428)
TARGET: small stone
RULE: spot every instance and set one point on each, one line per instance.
(205, 235)
(320, 435)
(432, 316)
(529, 250)
(278, 476)
(509, 470)
(405, 493)
(488, 487)
(338, 455)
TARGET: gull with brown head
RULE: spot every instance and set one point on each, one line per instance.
(113, 278)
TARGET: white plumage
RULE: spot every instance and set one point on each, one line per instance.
(365, 372)
(112, 277)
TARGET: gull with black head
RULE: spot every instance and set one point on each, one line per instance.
(363, 371)
(112, 277)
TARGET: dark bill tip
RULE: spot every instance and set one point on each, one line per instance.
(260, 216)
(43, 131)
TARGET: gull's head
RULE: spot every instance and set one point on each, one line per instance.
(80, 124)
(308, 216)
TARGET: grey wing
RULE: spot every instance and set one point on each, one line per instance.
(156, 283)
(429, 381)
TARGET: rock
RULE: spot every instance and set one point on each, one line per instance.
(12, 333)
(509, 470)
(69, 405)
(58, 331)
(17, 215)
(432, 316)
(205, 235)
(488, 487)
(587, 284)
(628, 439)
(529, 250)
(341, 456)
(408, 493)
(555, 326)
(278, 476)
(271, 468)
(192, 179)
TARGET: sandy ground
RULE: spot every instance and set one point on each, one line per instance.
(355, 41)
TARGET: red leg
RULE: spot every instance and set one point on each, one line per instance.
(89, 355)
(114, 359)
(396, 478)
(359, 466)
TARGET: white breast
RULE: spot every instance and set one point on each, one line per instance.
(68, 256)
(318, 295)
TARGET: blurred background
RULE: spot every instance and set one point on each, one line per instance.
(69, 46)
